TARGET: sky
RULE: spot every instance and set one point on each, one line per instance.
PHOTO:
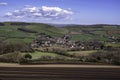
(61, 11)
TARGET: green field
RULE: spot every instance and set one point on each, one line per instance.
(54, 56)
(37, 55)
(11, 33)
(23, 32)
(82, 53)
(113, 44)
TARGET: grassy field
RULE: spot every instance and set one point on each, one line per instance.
(81, 53)
(14, 57)
(37, 55)
(94, 32)
(113, 44)
(11, 33)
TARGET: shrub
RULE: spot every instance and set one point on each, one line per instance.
(10, 57)
(111, 57)
(15, 57)
(25, 58)
(14, 47)
(22, 60)
(2, 24)
(46, 58)
(57, 50)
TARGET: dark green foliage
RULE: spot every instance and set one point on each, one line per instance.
(27, 56)
(25, 59)
(45, 58)
(14, 47)
(110, 57)
(22, 60)
(27, 30)
(19, 24)
(11, 57)
(89, 45)
(15, 57)
(1, 24)
(59, 51)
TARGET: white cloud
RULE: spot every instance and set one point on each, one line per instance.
(3, 4)
(37, 14)
(9, 14)
(43, 12)
(45, 8)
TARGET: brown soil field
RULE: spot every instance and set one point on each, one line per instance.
(59, 65)
(60, 72)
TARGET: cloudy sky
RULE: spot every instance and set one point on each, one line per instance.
(61, 11)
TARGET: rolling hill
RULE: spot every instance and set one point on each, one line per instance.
(94, 32)
(20, 31)
(26, 32)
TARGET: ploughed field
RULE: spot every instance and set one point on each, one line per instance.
(59, 73)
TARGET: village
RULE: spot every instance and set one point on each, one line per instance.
(44, 41)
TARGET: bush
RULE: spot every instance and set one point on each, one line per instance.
(2, 24)
(111, 57)
(14, 47)
(50, 58)
(15, 57)
(57, 50)
(25, 58)
(10, 57)
(22, 60)
(46, 58)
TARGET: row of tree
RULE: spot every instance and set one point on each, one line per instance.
(14, 47)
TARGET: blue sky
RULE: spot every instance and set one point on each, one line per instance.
(61, 11)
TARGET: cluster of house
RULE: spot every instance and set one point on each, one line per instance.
(43, 40)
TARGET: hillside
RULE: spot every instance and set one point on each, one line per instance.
(21, 31)
(90, 43)
(94, 32)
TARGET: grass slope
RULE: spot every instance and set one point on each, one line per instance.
(10, 33)
(90, 32)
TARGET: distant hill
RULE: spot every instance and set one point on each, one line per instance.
(102, 32)
(26, 32)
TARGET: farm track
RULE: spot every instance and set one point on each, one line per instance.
(59, 73)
